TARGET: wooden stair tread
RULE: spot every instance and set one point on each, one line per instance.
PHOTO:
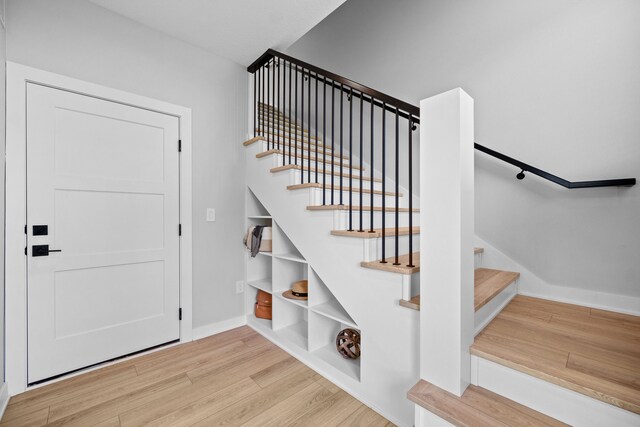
(585, 350)
(476, 407)
(305, 147)
(304, 157)
(356, 208)
(321, 171)
(488, 283)
(296, 137)
(377, 232)
(337, 188)
(403, 260)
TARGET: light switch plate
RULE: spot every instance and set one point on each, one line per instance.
(239, 286)
(211, 214)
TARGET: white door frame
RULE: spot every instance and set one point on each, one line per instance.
(16, 202)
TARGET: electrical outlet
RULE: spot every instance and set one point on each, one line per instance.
(239, 287)
(211, 214)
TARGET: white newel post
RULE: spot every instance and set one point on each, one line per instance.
(446, 239)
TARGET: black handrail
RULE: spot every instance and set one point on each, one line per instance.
(628, 182)
(370, 95)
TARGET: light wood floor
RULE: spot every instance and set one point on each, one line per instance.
(234, 378)
(593, 352)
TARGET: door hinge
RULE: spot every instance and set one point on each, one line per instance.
(180, 313)
(25, 229)
(179, 229)
(25, 250)
(179, 146)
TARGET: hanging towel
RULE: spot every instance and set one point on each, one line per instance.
(256, 240)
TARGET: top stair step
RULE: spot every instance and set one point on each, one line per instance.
(476, 407)
(377, 232)
(590, 351)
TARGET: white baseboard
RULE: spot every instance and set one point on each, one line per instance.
(4, 398)
(531, 285)
(215, 328)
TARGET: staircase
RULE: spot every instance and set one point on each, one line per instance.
(352, 222)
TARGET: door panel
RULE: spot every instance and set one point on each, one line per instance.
(104, 177)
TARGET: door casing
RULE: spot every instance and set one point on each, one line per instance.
(15, 205)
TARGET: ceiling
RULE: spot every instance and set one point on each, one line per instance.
(239, 30)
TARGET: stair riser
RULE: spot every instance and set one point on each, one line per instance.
(296, 179)
(341, 219)
(373, 247)
(312, 163)
(315, 197)
(306, 151)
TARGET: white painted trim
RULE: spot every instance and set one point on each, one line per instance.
(4, 398)
(218, 327)
(530, 284)
(15, 240)
(487, 313)
(558, 402)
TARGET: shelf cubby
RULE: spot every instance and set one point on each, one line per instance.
(322, 344)
(250, 299)
(290, 322)
(322, 301)
(283, 248)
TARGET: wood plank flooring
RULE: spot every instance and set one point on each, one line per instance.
(237, 378)
(593, 352)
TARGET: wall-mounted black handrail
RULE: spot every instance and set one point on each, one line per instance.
(628, 182)
(370, 95)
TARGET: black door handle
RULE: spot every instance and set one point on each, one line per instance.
(42, 250)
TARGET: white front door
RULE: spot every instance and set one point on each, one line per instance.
(103, 189)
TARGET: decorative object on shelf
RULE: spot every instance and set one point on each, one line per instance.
(263, 305)
(299, 290)
(258, 239)
(348, 343)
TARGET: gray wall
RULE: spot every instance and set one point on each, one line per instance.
(79, 39)
(2, 154)
(556, 84)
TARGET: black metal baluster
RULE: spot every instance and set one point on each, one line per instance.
(371, 230)
(258, 124)
(384, 179)
(273, 105)
(410, 195)
(324, 138)
(397, 181)
(269, 131)
(350, 159)
(308, 131)
(280, 119)
(360, 229)
(295, 129)
(341, 134)
(316, 111)
(289, 134)
(255, 106)
(333, 100)
(302, 130)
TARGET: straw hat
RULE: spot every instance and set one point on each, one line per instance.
(299, 290)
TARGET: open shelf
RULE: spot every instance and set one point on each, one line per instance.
(261, 324)
(291, 257)
(259, 217)
(295, 334)
(301, 303)
(333, 310)
(262, 284)
(329, 355)
(265, 253)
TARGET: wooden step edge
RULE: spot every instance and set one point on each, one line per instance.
(321, 171)
(490, 282)
(403, 260)
(356, 208)
(377, 232)
(274, 151)
(337, 188)
(282, 125)
(254, 140)
(310, 152)
(413, 303)
(476, 407)
(485, 353)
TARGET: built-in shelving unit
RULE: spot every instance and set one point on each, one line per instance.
(306, 328)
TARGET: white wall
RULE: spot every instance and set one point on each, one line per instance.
(555, 84)
(79, 39)
(2, 154)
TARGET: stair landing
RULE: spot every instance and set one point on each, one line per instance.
(590, 351)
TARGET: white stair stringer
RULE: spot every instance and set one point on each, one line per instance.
(390, 336)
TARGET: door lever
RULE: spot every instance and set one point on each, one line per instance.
(42, 250)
